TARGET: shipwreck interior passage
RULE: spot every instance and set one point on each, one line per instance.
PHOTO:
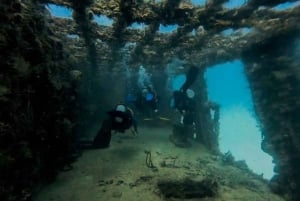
(64, 63)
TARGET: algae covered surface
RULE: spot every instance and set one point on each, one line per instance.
(121, 173)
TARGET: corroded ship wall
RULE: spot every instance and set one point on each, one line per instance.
(273, 72)
(37, 100)
(207, 116)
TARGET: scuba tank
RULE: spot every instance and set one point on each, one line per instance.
(191, 77)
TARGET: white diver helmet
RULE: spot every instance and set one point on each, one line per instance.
(120, 108)
(190, 93)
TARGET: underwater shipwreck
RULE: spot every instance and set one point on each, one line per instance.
(56, 74)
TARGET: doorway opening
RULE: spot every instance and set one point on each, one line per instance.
(240, 134)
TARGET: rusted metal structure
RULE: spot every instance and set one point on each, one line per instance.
(198, 38)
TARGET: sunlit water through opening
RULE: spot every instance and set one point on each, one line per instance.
(239, 131)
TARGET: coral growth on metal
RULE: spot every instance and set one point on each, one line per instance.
(198, 38)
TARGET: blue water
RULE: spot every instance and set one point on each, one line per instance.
(103, 20)
(167, 28)
(230, 31)
(239, 130)
(59, 11)
(227, 84)
(229, 4)
(136, 25)
(199, 2)
(178, 81)
(234, 4)
(286, 5)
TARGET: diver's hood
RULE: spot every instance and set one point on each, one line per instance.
(121, 108)
(145, 90)
(190, 93)
(149, 96)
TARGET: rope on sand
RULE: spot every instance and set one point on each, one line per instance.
(149, 163)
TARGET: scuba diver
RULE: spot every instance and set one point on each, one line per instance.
(119, 119)
(146, 101)
(142, 95)
(185, 105)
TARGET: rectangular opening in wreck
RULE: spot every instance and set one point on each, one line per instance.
(199, 2)
(228, 86)
(136, 25)
(227, 32)
(286, 5)
(167, 28)
(231, 4)
(103, 20)
(59, 11)
(178, 81)
(239, 32)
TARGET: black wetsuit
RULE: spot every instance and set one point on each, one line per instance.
(182, 103)
(102, 140)
(146, 106)
(186, 106)
(191, 76)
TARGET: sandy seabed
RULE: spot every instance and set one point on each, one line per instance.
(120, 172)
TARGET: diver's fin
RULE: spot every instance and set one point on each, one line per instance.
(164, 118)
(160, 118)
(190, 77)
